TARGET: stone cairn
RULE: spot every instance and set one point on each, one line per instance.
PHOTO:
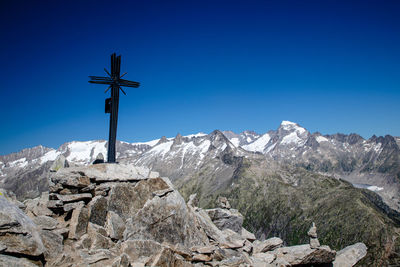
(312, 233)
(118, 215)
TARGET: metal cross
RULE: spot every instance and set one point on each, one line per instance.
(115, 82)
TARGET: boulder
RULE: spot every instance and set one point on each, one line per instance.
(314, 242)
(233, 239)
(59, 163)
(165, 219)
(201, 257)
(100, 173)
(223, 203)
(98, 207)
(45, 222)
(247, 235)
(10, 261)
(350, 255)
(98, 237)
(38, 206)
(204, 221)
(115, 226)
(79, 222)
(226, 219)
(53, 243)
(304, 254)
(99, 159)
(121, 261)
(267, 245)
(18, 233)
(126, 199)
(137, 249)
(262, 259)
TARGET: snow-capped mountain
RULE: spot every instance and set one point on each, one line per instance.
(372, 163)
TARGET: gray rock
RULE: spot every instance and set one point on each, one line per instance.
(121, 261)
(247, 235)
(99, 159)
(79, 222)
(262, 259)
(115, 226)
(350, 255)
(233, 239)
(72, 177)
(71, 198)
(165, 219)
(165, 257)
(126, 199)
(314, 242)
(201, 258)
(98, 207)
(204, 222)
(100, 173)
(71, 206)
(59, 163)
(15, 262)
(98, 255)
(193, 201)
(226, 219)
(18, 233)
(313, 231)
(98, 237)
(304, 254)
(223, 203)
(38, 206)
(136, 249)
(267, 245)
(53, 243)
(45, 222)
(204, 249)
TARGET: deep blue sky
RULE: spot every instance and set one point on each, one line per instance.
(331, 66)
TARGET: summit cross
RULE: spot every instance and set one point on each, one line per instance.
(111, 106)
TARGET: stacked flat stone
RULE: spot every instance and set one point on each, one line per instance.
(312, 233)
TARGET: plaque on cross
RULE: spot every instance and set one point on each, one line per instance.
(111, 106)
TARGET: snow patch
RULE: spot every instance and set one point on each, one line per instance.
(288, 125)
(321, 139)
(51, 155)
(235, 141)
(18, 163)
(284, 123)
(161, 149)
(291, 138)
(375, 188)
(259, 144)
(195, 135)
(82, 151)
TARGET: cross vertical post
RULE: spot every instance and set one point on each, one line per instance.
(115, 82)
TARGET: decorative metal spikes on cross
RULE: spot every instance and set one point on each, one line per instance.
(115, 82)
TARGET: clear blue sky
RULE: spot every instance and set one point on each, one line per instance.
(331, 66)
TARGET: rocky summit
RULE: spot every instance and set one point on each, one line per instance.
(121, 215)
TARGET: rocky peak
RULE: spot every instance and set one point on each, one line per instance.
(27, 153)
(121, 215)
(162, 140)
(178, 139)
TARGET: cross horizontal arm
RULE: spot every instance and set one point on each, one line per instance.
(102, 82)
(127, 83)
(99, 78)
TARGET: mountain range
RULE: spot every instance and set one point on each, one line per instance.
(280, 181)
